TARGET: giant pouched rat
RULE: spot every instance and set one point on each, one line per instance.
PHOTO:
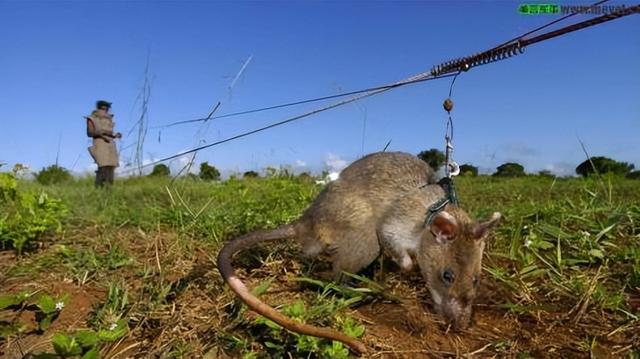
(380, 202)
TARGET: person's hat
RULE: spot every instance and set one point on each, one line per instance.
(103, 103)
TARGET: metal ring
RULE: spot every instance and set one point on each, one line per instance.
(454, 169)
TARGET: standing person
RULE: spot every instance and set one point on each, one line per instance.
(100, 127)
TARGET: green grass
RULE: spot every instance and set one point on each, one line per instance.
(566, 246)
(212, 210)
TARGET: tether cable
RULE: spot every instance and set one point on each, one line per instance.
(517, 46)
(329, 97)
(546, 25)
(289, 104)
(440, 71)
(422, 77)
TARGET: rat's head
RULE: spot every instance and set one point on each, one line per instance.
(450, 259)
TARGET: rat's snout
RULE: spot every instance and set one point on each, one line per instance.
(455, 313)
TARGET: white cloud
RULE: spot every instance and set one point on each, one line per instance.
(335, 163)
(181, 162)
(300, 163)
(486, 170)
(561, 169)
(129, 168)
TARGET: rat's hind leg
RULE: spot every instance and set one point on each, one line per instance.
(353, 253)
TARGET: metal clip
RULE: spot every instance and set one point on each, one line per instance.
(454, 169)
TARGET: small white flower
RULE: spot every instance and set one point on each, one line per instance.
(586, 234)
(59, 306)
(527, 243)
(113, 326)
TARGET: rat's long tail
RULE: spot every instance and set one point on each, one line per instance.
(247, 241)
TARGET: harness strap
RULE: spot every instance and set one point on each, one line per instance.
(449, 197)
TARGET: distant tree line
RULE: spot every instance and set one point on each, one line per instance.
(435, 158)
(601, 165)
(160, 170)
(594, 165)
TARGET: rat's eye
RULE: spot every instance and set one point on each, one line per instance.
(475, 280)
(448, 277)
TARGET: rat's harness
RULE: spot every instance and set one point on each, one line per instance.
(451, 168)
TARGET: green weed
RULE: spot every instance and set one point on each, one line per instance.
(26, 216)
(111, 314)
(45, 308)
(326, 310)
(84, 263)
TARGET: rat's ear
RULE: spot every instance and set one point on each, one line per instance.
(444, 227)
(482, 229)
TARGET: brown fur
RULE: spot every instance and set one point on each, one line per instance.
(462, 255)
(379, 201)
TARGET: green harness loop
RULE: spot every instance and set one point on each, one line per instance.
(449, 197)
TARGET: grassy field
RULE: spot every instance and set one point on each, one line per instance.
(130, 272)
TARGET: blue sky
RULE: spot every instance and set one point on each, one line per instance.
(58, 57)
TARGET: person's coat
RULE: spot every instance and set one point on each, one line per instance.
(100, 127)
